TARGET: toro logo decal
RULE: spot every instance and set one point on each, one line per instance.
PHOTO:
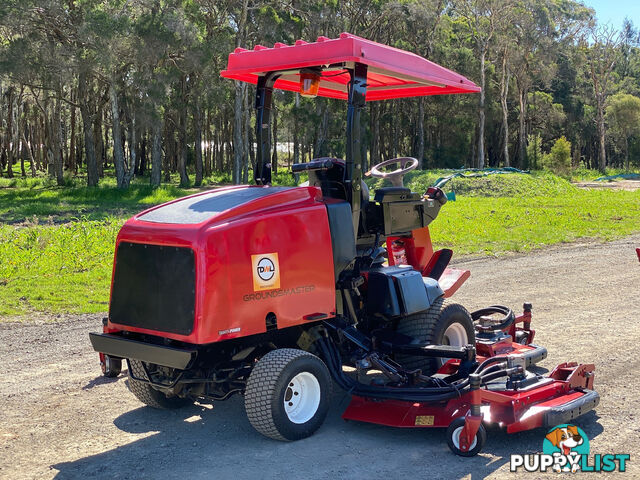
(266, 271)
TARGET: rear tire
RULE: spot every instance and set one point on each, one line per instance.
(149, 395)
(443, 323)
(287, 395)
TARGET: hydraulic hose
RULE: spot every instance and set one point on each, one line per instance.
(495, 375)
(506, 322)
(489, 361)
(424, 394)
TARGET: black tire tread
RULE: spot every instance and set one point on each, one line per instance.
(423, 325)
(149, 395)
(261, 386)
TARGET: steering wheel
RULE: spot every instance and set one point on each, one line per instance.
(395, 176)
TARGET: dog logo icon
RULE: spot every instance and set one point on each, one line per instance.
(567, 443)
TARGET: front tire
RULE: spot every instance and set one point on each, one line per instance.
(443, 323)
(149, 395)
(453, 438)
(287, 394)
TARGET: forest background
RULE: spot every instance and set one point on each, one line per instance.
(111, 106)
(94, 89)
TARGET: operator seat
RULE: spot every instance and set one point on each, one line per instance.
(331, 182)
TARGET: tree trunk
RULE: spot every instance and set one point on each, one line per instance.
(504, 93)
(208, 156)
(522, 137)
(601, 135)
(87, 121)
(156, 153)
(118, 152)
(182, 155)
(133, 152)
(481, 116)
(322, 110)
(197, 128)
(39, 135)
(219, 164)
(375, 134)
(9, 133)
(626, 152)
(28, 145)
(168, 147)
(24, 147)
(57, 141)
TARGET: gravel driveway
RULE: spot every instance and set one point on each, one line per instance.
(59, 418)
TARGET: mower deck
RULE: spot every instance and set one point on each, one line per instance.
(544, 402)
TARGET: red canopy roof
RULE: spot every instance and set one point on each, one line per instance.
(392, 73)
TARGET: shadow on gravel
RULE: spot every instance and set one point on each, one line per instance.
(204, 441)
(101, 380)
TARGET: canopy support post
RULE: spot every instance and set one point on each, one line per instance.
(262, 168)
(353, 173)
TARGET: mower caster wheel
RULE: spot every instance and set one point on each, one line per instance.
(111, 367)
(287, 394)
(522, 338)
(149, 395)
(453, 438)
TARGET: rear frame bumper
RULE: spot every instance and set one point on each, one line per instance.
(118, 347)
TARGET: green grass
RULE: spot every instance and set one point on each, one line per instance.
(56, 244)
(23, 199)
(474, 225)
(586, 175)
(61, 204)
(56, 268)
(537, 183)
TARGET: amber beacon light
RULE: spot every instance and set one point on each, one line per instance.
(309, 82)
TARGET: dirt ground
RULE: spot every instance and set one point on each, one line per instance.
(59, 418)
(630, 185)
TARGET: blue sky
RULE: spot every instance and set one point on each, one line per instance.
(614, 11)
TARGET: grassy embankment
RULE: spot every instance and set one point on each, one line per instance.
(56, 244)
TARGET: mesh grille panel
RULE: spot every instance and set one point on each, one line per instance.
(154, 288)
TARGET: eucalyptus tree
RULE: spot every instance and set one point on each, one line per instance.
(484, 18)
(601, 49)
(623, 114)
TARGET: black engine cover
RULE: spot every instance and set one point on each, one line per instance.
(395, 291)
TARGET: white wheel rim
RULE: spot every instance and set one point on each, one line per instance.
(455, 438)
(302, 397)
(456, 335)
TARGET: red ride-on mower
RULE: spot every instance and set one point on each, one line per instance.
(270, 292)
